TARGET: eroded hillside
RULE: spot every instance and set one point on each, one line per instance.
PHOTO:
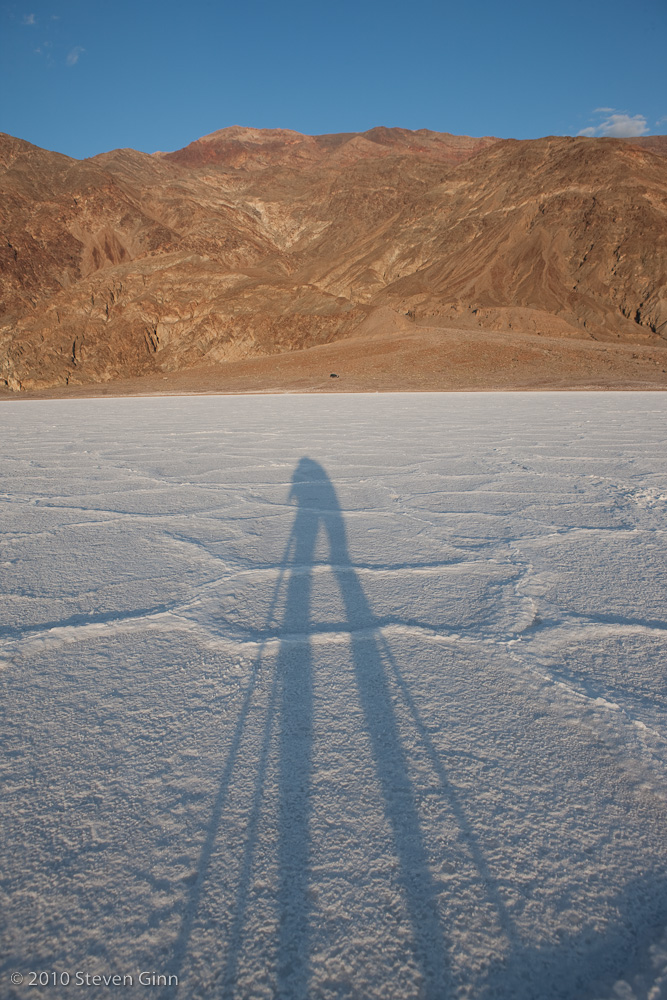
(252, 242)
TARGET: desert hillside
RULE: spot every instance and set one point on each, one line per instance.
(249, 243)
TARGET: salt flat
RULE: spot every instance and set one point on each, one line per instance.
(336, 696)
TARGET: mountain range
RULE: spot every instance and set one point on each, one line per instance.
(250, 244)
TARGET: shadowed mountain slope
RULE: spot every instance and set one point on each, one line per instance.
(251, 242)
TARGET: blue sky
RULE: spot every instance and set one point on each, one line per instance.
(83, 77)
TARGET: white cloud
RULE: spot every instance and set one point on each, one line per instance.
(29, 19)
(618, 124)
(73, 55)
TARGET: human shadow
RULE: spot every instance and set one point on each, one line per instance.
(289, 732)
(318, 512)
(290, 708)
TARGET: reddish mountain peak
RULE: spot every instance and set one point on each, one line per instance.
(256, 136)
(254, 149)
(239, 146)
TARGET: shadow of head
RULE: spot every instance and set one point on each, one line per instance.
(311, 488)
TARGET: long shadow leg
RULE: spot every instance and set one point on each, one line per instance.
(400, 807)
(294, 822)
(392, 769)
(295, 678)
(452, 795)
(235, 940)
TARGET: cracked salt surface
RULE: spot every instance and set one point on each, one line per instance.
(347, 696)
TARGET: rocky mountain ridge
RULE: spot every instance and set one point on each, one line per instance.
(251, 242)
